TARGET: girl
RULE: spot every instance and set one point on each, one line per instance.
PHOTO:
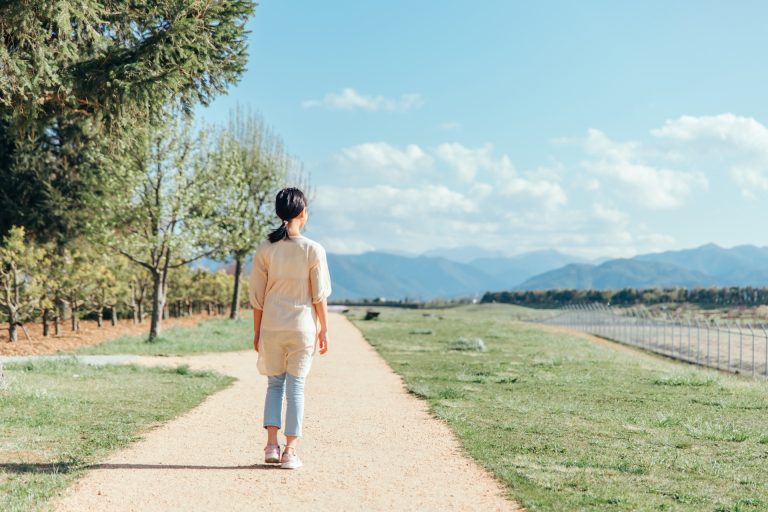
(289, 285)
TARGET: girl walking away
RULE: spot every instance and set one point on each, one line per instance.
(289, 285)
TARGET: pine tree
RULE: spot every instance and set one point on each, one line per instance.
(77, 75)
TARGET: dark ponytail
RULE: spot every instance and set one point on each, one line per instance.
(289, 203)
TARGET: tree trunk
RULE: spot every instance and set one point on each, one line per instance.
(61, 308)
(141, 310)
(234, 310)
(57, 324)
(208, 308)
(75, 325)
(189, 308)
(12, 336)
(46, 328)
(158, 298)
(113, 314)
(100, 317)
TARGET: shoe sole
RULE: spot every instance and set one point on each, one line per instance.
(291, 466)
(275, 460)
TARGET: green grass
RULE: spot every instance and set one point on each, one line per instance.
(567, 424)
(57, 417)
(218, 335)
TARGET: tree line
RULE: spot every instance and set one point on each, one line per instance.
(712, 297)
(36, 280)
(109, 189)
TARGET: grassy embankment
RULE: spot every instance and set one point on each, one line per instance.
(57, 417)
(569, 424)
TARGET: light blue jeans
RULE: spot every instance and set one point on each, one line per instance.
(293, 388)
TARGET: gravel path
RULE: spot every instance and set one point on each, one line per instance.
(367, 445)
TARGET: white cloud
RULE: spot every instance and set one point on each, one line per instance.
(418, 198)
(469, 162)
(350, 99)
(411, 204)
(610, 214)
(744, 132)
(383, 163)
(599, 231)
(739, 142)
(550, 193)
(465, 161)
(651, 187)
(750, 178)
(382, 156)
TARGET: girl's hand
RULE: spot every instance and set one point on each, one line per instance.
(323, 338)
(256, 342)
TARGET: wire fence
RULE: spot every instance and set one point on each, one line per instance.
(733, 345)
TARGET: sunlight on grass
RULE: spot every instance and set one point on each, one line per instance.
(59, 416)
(568, 424)
(218, 335)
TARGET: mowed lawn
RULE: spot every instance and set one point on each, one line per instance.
(569, 424)
(215, 335)
(57, 417)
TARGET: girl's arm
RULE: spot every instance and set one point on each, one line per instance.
(321, 308)
(257, 285)
(320, 281)
(256, 327)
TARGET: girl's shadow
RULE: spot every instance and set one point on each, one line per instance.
(67, 467)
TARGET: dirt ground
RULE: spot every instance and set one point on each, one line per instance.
(367, 445)
(89, 334)
(596, 339)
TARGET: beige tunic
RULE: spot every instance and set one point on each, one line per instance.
(287, 278)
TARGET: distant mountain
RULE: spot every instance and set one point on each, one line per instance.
(619, 273)
(513, 270)
(380, 274)
(464, 254)
(743, 265)
(397, 252)
(376, 274)
(708, 265)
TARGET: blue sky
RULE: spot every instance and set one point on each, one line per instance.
(595, 128)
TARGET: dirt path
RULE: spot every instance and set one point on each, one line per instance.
(367, 445)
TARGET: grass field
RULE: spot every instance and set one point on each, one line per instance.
(569, 424)
(217, 335)
(56, 417)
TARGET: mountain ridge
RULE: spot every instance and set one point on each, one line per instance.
(703, 266)
(385, 274)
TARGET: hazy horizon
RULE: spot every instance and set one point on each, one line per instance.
(512, 255)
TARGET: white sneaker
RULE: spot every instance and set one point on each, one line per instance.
(290, 460)
(272, 453)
